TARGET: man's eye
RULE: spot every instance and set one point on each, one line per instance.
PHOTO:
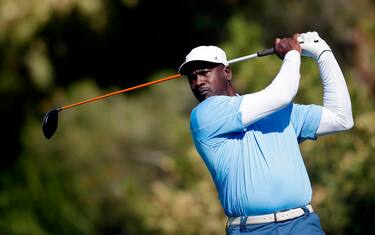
(191, 76)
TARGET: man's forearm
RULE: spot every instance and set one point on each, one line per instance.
(277, 95)
(337, 112)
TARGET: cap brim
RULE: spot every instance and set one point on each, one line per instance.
(190, 66)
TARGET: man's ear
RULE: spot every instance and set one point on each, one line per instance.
(228, 73)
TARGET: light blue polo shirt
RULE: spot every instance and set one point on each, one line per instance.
(256, 169)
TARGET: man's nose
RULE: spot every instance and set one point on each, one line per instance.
(200, 80)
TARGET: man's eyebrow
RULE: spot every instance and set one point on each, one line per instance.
(198, 71)
(201, 70)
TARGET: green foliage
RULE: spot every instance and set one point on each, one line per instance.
(127, 164)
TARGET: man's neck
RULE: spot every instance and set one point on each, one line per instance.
(231, 92)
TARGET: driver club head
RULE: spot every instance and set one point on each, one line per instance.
(50, 122)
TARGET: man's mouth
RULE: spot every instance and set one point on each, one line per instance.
(203, 91)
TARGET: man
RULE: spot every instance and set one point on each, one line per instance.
(249, 142)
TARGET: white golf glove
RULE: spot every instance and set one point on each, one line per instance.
(312, 45)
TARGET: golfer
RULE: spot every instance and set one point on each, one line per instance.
(249, 142)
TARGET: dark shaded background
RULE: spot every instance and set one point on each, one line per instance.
(127, 165)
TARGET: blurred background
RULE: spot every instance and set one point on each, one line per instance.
(126, 165)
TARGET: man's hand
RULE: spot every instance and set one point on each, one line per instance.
(312, 45)
(283, 46)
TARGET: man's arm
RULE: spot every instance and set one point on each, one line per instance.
(283, 88)
(336, 111)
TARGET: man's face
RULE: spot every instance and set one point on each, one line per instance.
(207, 81)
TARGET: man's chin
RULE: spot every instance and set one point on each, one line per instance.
(202, 97)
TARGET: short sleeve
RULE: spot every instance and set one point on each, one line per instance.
(216, 117)
(305, 120)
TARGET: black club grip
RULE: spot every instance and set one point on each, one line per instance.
(265, 52)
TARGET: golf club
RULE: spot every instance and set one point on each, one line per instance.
(50, 120)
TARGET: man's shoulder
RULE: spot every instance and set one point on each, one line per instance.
(216, 105)
(214, 108)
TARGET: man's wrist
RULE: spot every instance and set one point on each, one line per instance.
(292, 54)
(321, 53)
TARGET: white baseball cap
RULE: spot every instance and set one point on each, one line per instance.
(212, 54)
